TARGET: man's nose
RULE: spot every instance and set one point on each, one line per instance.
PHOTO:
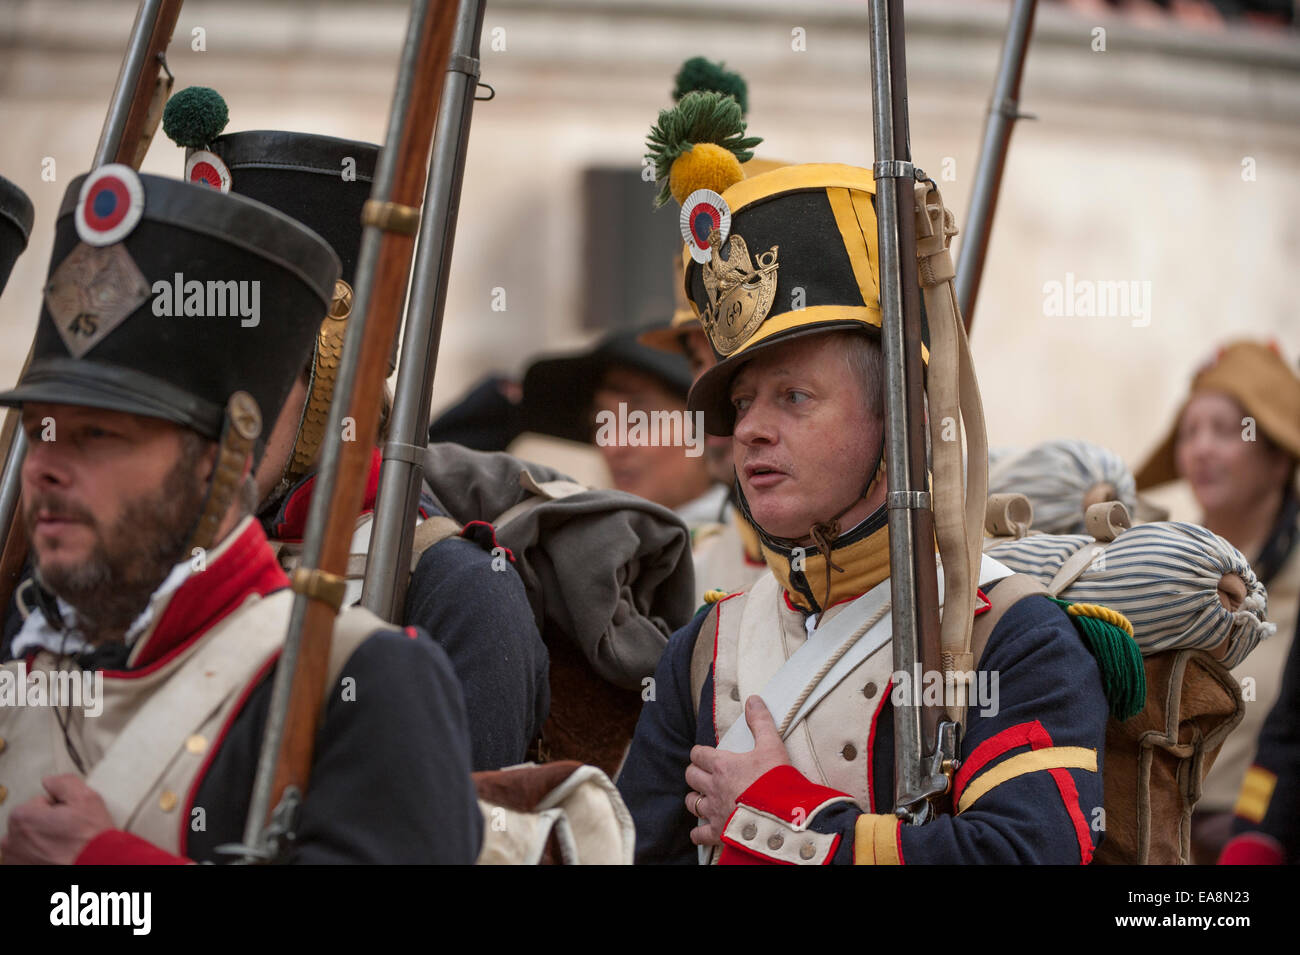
(45, 464)
(756, 425)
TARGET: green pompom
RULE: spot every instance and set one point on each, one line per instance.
(700, 75)
(700, 117)
(1123, 677)
(195, 116)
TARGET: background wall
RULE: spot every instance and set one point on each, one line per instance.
(1132, 171)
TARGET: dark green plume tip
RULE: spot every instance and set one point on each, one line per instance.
(195, 116)
(706, 117)
(699, 74)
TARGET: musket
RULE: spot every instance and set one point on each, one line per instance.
(390, 218)
(914, 590)
(143, 85)
(1004, 110)
(401, 475)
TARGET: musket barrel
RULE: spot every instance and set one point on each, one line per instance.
(155, 20)
(383, 268)
(393, 530)
(1003, 112)
(894, 203)
(921, 519)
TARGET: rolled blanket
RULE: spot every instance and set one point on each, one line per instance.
(1180, 585)
(610, 571)
(1061, 479)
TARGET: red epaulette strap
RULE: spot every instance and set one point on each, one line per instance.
(770, 823)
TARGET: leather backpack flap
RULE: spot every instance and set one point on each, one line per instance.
(1155, 762)
(591, 720)
(552, 814)
(513, 832)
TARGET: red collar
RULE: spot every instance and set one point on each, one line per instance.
(245, 567)
(298, 503)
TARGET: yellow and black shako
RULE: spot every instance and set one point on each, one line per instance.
(786, 253)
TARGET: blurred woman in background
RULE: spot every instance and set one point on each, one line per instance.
(1236, 442)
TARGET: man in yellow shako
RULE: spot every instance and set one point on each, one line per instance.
(784, 275)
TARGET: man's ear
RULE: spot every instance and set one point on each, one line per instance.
(204, 454)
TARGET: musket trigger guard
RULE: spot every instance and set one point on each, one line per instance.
(276, 836)
(918, 808)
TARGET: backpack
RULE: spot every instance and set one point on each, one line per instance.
(1155, 759)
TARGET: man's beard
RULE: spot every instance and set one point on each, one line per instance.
(113, 585)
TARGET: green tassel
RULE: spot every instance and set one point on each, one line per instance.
(1123, 677)
(195, 116)
(700, 117)
(698, 73)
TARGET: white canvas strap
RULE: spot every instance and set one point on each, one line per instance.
(783, 691)
(140, 754)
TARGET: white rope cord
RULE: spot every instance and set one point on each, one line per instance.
(830, 662)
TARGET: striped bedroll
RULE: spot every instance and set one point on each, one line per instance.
(1163, 577)
(1056, 475)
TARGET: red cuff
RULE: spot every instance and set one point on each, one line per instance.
(770, 823)
(1252, 848)
(786, 793)
(115, 847)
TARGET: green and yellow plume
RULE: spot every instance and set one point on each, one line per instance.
(699, 144)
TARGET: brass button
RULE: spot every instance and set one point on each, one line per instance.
(167, 801)
(735, 693)
(849, 752)
(196, 743)
(807, 851)
(869, 690)
(775, 841)
(749, 832)
(3, 792)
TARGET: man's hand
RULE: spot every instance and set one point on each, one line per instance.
(53, 829)
(717, 778)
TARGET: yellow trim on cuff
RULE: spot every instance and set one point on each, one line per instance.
(1052, 757)
(1256, 793)
(875, 840)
